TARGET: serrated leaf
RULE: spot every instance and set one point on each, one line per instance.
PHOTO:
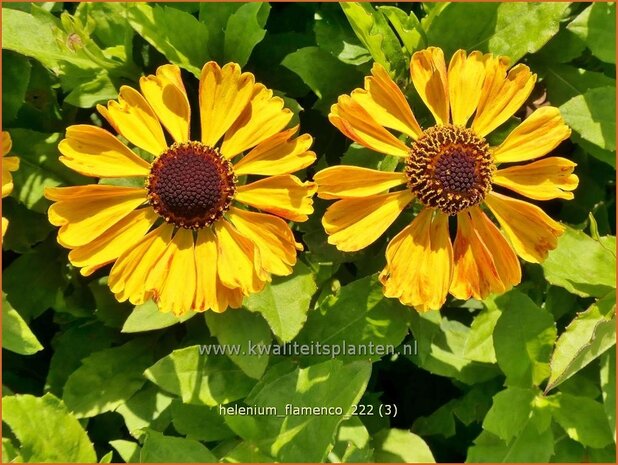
(581, 265)
(36, 422)
(16, 336)
(400, 446)
(596, 26)
(591, 333)
(246, 330)
(407, 26)
(583, 419)
(107, 378)
(148, 317)
(358, 317)
(294, 437)
(244, 30)
(200, 422)
(523, 339)
(285, 301)
(199, 378)
(158, 448)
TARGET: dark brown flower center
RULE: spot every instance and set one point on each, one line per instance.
(450, 168)
(191, 185)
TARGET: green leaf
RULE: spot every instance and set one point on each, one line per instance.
(583, 419)
(118, 370)
(249, 331)
(596, 26)
(39, 168)
(15, 78)
(563, 82)
(284, 302)
(107, 458)
(523, 340)
(27, 228)
(352, 444)
(244, 30)
(10, 452)
(128, 450)
(608, 385)
(87, 94)
(37, 422)
(43, 287)
(111, 26)
(199, 378)
(246, 452)
(564, 47)
(373, 30)
(323, 73)
(147, 408)
(158, 448)
(408, 27)
(16, 336)
(148, 317)
(593, 116)
(291, 436)
(172, 32)
(581, 265)
(479, 343)
(359, 317)
(510, 412)
(589, 335)
(200, 422)
(400, 446)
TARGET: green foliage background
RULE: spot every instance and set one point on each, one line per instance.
(527, 376)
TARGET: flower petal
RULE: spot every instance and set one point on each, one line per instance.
(5, 225)
(465, 82)
(502, 94)
(383, 99)
(86, 212)
(341, 182)
(532, 233)
(420, 263)
(93, 151)
(127, 279)
(545, 179)
(536, 136)
(264, 117)
(285, 196)
(133, 117)
(9, 164)
(237, 260)
(428, 72)
(356, 123)
(279, 154)
(167, 96)
(271, 235)
(206, 295)
(224, 94)
(353, 224)
(122, 236)
(7, 143)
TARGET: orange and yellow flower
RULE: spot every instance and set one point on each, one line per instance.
(9, 164)
(451, 170)
(205, 225)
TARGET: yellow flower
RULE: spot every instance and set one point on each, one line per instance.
(453, 173)
(186, 237)
(8, 164)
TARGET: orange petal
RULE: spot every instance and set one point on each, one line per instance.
(207, 296)
(340, 182)
(428, 72)
(465, 81)
(532, 233)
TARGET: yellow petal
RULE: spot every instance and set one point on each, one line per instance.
(9, 164)
(5, 224)
(465, 82)
(502, 94)
(173, 280)
(356, 123)
(271, 235)
(133, 117)
(428, 72)
(206, 296)
(167, 96)
(279, 154)
(532, 233)
(538, 135)
(128, 276)
(7, 143)
(545, 179)
(93, 151)
(224, 93)
(262, 118)
(340, 182)
(115, 241)
(420, 263)
(237, 259)
(353, 224)
(227, 297)
(383, 99)
(86, 212)
(285, 196)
